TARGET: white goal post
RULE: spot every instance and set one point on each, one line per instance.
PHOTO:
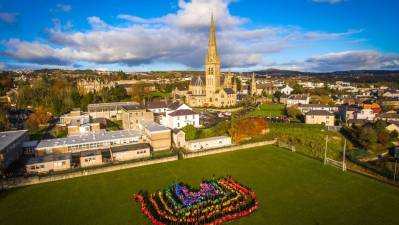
(335, 163)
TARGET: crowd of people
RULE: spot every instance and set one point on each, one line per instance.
(216, 201)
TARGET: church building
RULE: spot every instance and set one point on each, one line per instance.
(212, 89)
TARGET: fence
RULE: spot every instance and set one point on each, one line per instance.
(186, 155)
(353, 165)
(21, 181)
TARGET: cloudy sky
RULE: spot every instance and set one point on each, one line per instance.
(137, 35)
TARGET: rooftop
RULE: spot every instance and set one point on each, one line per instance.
(208, 139)
(319, 113)
(132, 107)
(182, 112)
(130, 147)
(229, 91)
(153, 126)
(8, 137)
(158, 104)
(313, 105)
(48, 158)
(88, 138)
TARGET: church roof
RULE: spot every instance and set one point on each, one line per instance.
(197, 80)
(229, 91)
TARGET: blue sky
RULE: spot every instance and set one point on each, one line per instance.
(306, 35)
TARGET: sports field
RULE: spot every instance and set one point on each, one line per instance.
(291, 189)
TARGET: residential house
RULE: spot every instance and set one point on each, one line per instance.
(389, 117)
(365, 114)
(297, 99)
(309, 107)
(180, 115)
(287, 90)
(320, 117)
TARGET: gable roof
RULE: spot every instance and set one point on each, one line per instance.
(158, 104)
(175, 105)
(319, 113)
(182, 112)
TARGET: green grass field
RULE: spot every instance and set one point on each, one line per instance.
(273, 110)
(291, 189)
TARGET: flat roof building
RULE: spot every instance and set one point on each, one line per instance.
(111, 110)
(91, 158)
(208, 143)
(86, 142)
(158, 136)
(130, 152)
(11, 147)
(48, 163)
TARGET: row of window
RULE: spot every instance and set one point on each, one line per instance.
(141, 152)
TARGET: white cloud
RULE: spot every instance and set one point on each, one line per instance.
(179, 38)
(8, 18)
(346, 60)
(64, 7)
(97, 23)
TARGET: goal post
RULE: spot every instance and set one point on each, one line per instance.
(332, 162)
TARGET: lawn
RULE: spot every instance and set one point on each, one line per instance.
(291, 189)
(273, 110)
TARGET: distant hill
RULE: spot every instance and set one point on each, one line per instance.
(277, 72)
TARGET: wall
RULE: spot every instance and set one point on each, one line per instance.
(37, 180)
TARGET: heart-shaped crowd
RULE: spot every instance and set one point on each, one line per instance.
(216, 201)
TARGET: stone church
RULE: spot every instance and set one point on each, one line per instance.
(212, 89)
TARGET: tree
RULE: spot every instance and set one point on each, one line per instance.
(367, 136)
(394, 134)
(239, 85)
(293, 112)
(39, 118)
(4, 122)
(191, 132)
(384, 137)
(298, 89)
(277, 95)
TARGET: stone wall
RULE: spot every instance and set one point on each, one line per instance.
(19, 182)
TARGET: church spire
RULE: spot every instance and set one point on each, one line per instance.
(212, 55)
